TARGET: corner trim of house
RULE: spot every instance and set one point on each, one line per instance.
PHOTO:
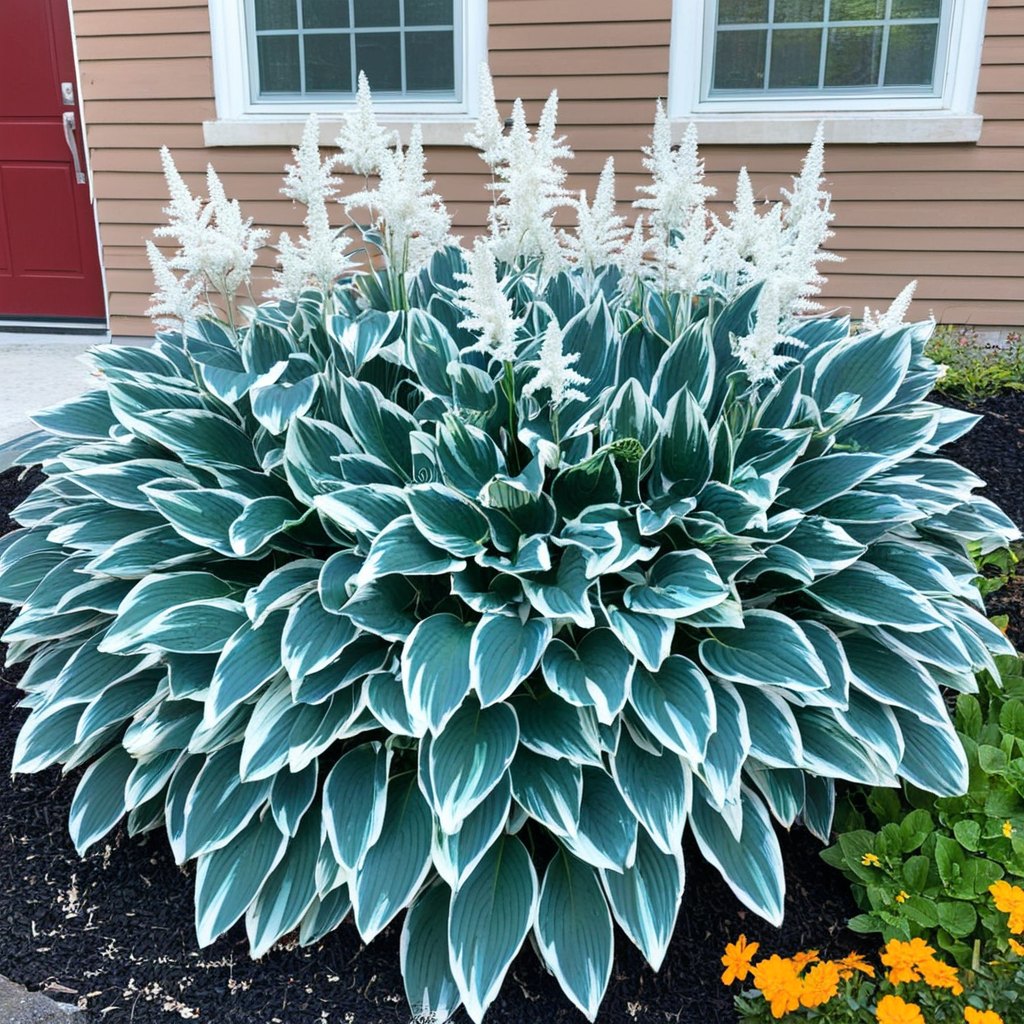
(781, 129)
(288, 132)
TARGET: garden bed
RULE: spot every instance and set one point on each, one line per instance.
(115, 932)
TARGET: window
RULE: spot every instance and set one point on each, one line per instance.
(826, 46)
(316, 48)
(274, 61)
(874, 70)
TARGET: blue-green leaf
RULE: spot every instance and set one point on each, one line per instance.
(430, 989)
(354, 801)
(503, 652)
(436, 670)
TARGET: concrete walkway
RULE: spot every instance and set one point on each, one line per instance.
(38, 370)
(18, 1006)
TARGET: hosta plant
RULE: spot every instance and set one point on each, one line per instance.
(462, 583)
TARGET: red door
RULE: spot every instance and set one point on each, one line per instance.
(49, 259)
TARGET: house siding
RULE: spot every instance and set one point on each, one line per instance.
(950, 215)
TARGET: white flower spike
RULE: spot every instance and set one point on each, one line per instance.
(488, 308)
(554, 369)
(362, 140)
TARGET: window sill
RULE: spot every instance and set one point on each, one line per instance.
(280, 131)
(781, 128)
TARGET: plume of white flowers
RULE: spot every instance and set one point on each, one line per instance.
(689, 259)
(318, 257)
(176, 299)
(744, 229)
(362, 141)
(529, 187)
(554, 369)
(758, 351)
(488, 134)
(217, 246)
(409, 216)
(488, 308)
(599, 229)
(894, 317)
(677, 179)
(632, 258)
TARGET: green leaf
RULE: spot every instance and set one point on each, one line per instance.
(491, 914)
(771, 649)
(870, 365)
(400, 549)
(676, 704)
(751, 863)
(683, 449)
(203, 516)
(313, 637)
(456, 854)
(596, 674)
(468, 758)
(396, 865)
(354, 802)
(647, 637)
(564, 591)
(606, 836)
(99, 801)
(549, 790)
(679, 584)
(229, 879)
(958, 918)
(503, 652)
(430, 988)
(645, 898)
(436, 670)
(381, 427)
(288, 892)
(574, 931)
(250, 658)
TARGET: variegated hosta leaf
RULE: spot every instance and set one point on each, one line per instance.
(353, 618)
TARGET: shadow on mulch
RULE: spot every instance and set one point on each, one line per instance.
(115, 930)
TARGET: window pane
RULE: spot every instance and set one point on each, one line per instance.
(371, 13)
(856, 10)
(278, 59)
(428, 12)
(799, 10)
(916, 8)
(739, 12)
(430, 61)
(328, 63)
(325, 13)
(739, 59)
(276, 14)
(796, 53)
(911, 56)
(853, 56)
(379, 54)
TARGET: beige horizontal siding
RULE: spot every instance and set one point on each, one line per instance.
(951, 216)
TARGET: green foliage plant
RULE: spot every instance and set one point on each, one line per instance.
(463, 586)
(926, 872)
(975, 370)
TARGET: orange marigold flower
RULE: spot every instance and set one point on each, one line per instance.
(736, 960)
(905, 958)
(937, 974)
(801, 960)
(973, 1016)
(778, 980)
(854, 962)
(870, 860)
(894, 1010)
(1016, 946)
(1010, 900)
(821, 983)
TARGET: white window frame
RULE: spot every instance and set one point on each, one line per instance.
(946, 114)
(245, 121)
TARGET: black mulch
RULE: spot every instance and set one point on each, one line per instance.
(114, 930)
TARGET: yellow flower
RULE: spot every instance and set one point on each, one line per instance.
(1016, 946)
(869, 860)
(1007, 829)
(973, 1016)
(1010, 900)
(937, 974)
(821, 983)
(737, 959)
(801, 960)
(904, 958)
(855, 962)
(902, 896)
(893, 1010)
(778, 980)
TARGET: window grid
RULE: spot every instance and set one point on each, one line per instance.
(886, 22)
(352, 31)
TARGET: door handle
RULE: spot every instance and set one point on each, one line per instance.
(69, 138)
